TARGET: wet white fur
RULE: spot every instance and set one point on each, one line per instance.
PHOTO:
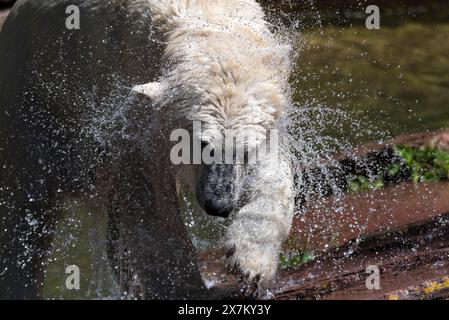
(226, 69)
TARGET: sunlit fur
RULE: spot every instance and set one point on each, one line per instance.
(225, 68)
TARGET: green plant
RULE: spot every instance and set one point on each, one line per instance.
(417, 164)
(425, 163)
(294, 258)
(357, 183)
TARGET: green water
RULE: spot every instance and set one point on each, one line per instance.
(80, 240)
(395, 77)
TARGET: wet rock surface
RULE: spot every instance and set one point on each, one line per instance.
(407, 258)
(413, 262)
(401, 229)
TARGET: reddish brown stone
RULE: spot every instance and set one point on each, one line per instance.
(331, 222)
(408, 259)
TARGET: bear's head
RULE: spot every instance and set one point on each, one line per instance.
(226, 131)
(229, 158)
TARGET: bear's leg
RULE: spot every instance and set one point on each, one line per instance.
(254, 238)
(148, 243)
(28, 214)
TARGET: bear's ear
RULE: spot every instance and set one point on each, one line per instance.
(151, 90)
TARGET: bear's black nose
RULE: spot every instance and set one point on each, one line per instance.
(215, 190)
(217, 210)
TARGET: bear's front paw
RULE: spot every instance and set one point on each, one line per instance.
(255, 263)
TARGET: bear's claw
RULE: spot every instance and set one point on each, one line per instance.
(253, 264)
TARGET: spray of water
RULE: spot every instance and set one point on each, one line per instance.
(316, 133)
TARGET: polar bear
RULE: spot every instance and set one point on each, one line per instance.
(209, 61)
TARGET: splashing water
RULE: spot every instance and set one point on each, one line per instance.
(316, 134)
(319, 136)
